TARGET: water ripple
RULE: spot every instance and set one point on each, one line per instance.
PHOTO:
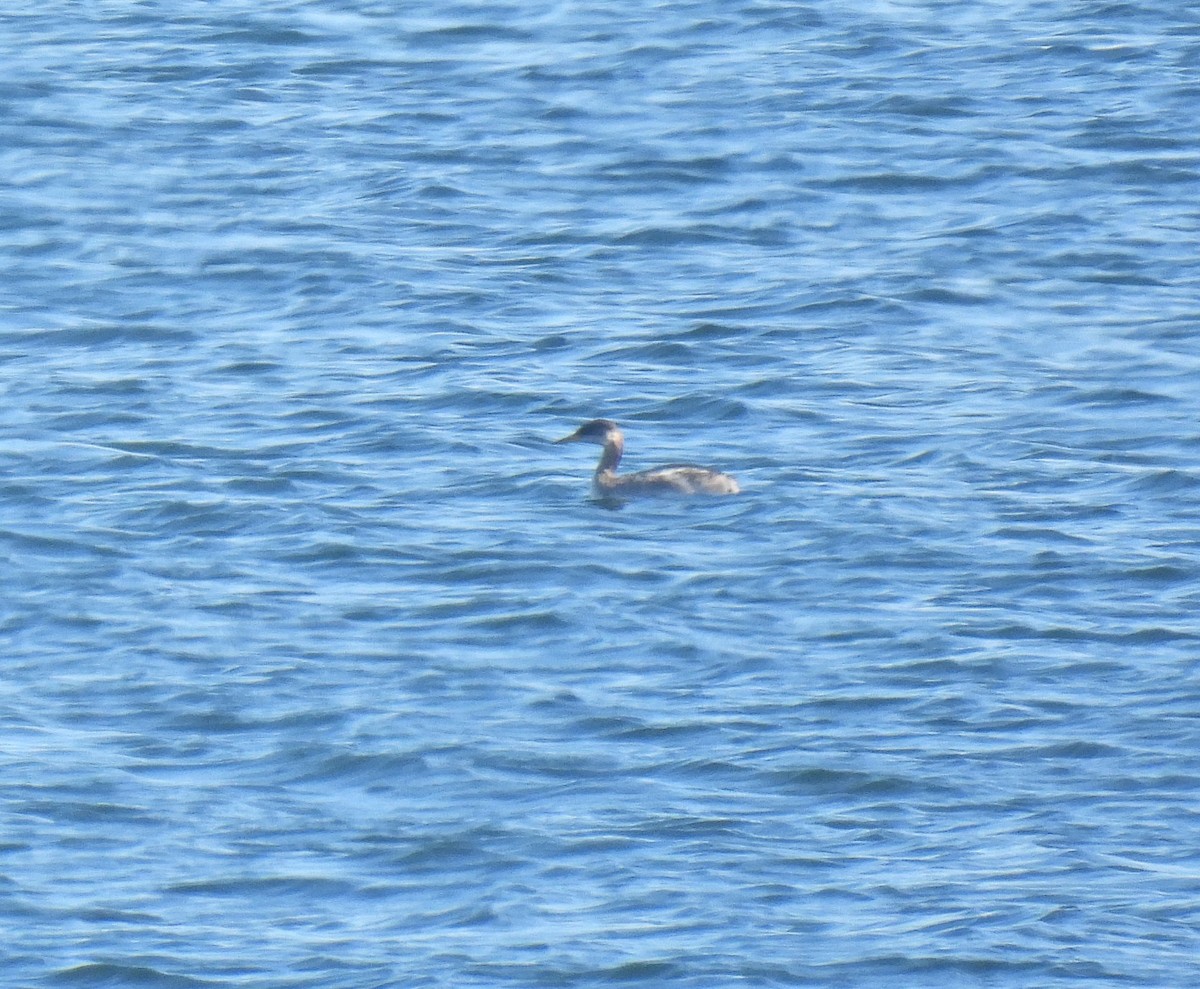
(325, 670)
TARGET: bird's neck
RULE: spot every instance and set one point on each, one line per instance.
(611, 456)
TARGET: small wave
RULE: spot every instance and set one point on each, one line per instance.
(108, 975)
(1170, 481)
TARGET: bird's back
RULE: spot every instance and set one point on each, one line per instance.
(675, 478)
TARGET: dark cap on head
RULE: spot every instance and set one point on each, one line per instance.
(594, 429)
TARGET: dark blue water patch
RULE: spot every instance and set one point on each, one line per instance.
(1169, 481)
(103, 975)
(1164, 574)
(104, 814)
(101, 335)
(928, 107)
(824, 782)
(300, 888)
(54, 547)
(1148, 635)
(899, 182)
(948, 297)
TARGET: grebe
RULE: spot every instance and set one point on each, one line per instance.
(671, 479)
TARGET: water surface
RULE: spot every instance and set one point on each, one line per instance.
(322, 668)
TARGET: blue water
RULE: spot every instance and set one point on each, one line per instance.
(321, 667)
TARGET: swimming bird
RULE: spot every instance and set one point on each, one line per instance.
(671, 479)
